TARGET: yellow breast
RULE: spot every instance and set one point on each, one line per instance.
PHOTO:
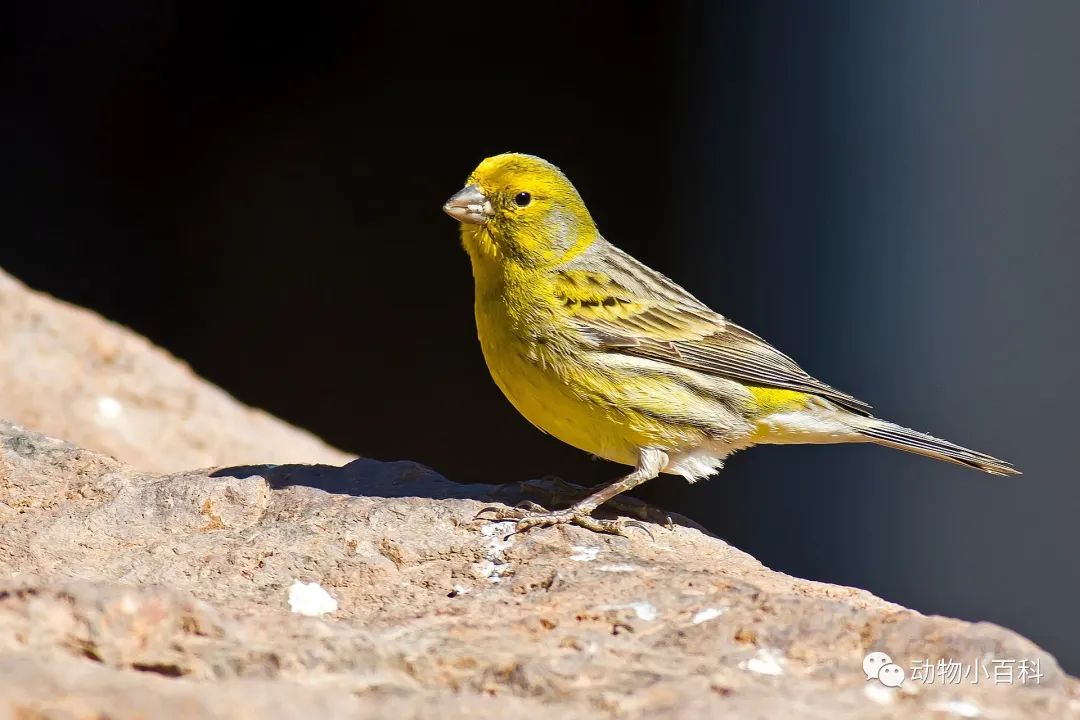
(549, 395)
(560, 385)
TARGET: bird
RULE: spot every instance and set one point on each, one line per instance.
(612, 357)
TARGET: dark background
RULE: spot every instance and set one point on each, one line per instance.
(889, 192)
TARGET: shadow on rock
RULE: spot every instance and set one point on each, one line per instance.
(372, 478)
(369, 478)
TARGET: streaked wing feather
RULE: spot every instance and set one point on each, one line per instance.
(656, 319)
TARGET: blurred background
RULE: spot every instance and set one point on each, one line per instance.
(888, 192)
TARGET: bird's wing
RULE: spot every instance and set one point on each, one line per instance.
(624, 307)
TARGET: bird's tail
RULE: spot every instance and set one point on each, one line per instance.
(902, 438)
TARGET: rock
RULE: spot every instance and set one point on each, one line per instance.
(131, 594)
(68, 372)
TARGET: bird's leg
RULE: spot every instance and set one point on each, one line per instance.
(558, 492)
(650, 462)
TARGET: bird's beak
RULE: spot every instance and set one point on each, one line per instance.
(469, 205)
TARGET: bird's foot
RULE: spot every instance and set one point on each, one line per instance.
(530, 515)
(556, 491)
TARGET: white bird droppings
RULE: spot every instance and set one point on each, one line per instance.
(584, 553)
(706, 615)
(495, 565)
(498, 529)
(963, 708)
(644, 610)
(109, 408)
(765, 662)
(879, 693)
(310, 599)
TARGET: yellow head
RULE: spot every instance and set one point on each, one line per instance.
(521, 209)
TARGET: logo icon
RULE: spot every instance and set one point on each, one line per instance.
(879, 666)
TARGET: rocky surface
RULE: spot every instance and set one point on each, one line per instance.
(128, 594)
(68, 372)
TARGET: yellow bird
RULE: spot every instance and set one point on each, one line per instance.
(614, 358)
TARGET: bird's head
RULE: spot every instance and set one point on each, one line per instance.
(521, 209)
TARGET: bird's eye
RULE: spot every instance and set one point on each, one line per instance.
(522, 199)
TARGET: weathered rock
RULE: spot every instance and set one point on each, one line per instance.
(139, 595)
(68, 372)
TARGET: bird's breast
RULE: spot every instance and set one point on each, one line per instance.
(540, 371)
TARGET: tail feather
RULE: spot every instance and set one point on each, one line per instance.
(902, 438)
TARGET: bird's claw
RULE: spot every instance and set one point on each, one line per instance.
(528, 515)
(560, 492)
(642, 527)
(517, 512)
